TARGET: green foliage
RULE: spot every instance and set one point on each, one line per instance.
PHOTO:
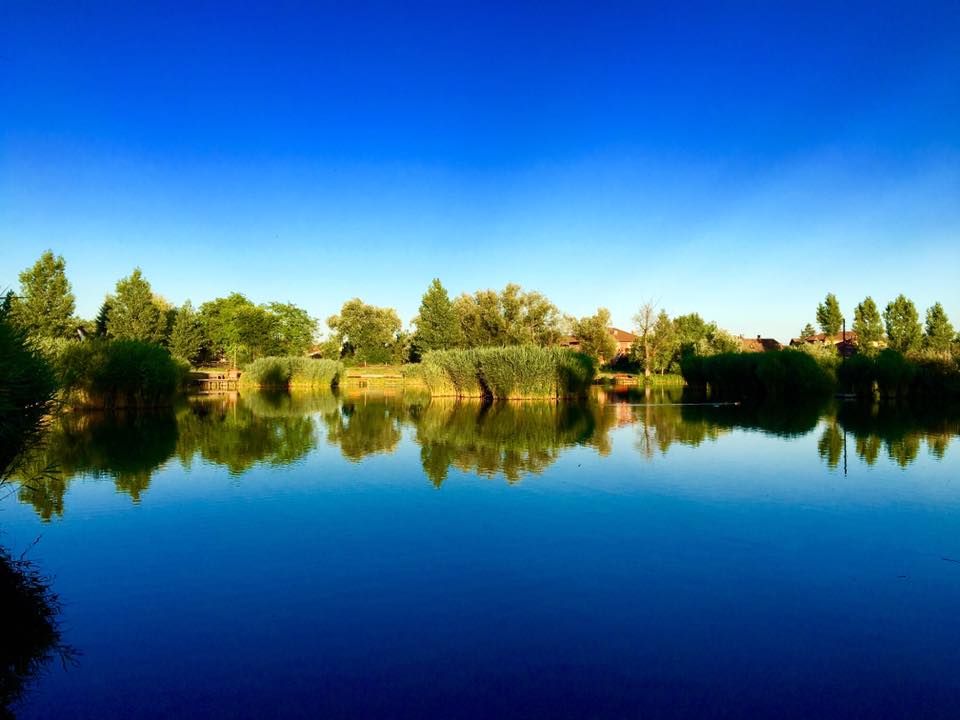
(187, 340)
(291, 371)
(510, 317)
(134, 313)
(890, 373)
(104, 373)
(868, 325)
(788, 373)
(367, 334)
(593, 333)
(523, 371)
(293, 329)
(45, 305)
(829, 316)
(808, 332)
(27, 386)
(437, 325)
(102, 322)
(903, 325)
(938, 333)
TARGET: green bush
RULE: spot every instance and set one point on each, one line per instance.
(787, 373)
(292, 371)
(120, 373)
(522, 371)
(27, 386)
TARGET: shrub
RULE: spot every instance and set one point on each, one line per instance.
(894, 372)
(292, 371)
(522, 371)
(858, 374)
(120, 373)
(27, 386)
(787, 373)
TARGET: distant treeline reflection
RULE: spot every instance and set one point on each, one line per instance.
(512, 439)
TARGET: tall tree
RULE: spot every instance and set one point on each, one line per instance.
(510, 317)
(644, 322)
(665, 342)
(437, 324)
(593, 333)
(867, 324)
(903, 324)
(808, 332)
(294, 329)
(938, 333)
(367, 333)
(45, 306)
(134, 314)
(829, 316)
(186, 335)
(102, 323)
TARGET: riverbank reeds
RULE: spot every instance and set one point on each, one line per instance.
(291, 372)
(102, 374)
(516, 372)
(891, 374)
(783, 374)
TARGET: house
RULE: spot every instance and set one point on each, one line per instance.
(624, 341)
(826, 339)
(760, 344)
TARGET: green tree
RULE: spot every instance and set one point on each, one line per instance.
(939, 333)
(45, 306)
(510, 317)
(593, 333)
(868, 325)
(186, 336)
(135, 314)
(367, 333)
(829, 316)
(102, 323)
(437, 324)
(238, 329)
(665, 343)
(903, 325)
(808, 332)
(294, 329)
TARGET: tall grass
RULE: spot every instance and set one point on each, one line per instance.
(892, 374)
(518, 372)
(100, 373)
(787, 373)
(293, 371)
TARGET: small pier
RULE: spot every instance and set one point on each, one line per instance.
(216, 381)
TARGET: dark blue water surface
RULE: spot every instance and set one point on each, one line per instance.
(388, 556)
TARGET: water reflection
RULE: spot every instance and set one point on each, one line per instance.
(512, 440)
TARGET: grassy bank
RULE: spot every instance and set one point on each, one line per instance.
(291, 372)
(519, 372)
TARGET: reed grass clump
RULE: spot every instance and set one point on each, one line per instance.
(100, 373)
(292, 371)
(516, 372)
(891, 374)
(786, 373)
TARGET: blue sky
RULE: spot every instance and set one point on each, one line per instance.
(739, 160)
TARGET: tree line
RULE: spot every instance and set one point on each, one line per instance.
(898, 327)
(236, 329)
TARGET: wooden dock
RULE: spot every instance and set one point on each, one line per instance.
(216, 382)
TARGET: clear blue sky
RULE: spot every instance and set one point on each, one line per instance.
(738, 160)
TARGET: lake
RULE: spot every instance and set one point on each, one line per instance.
(377, 554)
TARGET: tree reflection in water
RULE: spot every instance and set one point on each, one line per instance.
(512, 439)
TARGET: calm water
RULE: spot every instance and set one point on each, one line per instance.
(388, 556)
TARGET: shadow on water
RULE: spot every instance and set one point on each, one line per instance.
(508, 439)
